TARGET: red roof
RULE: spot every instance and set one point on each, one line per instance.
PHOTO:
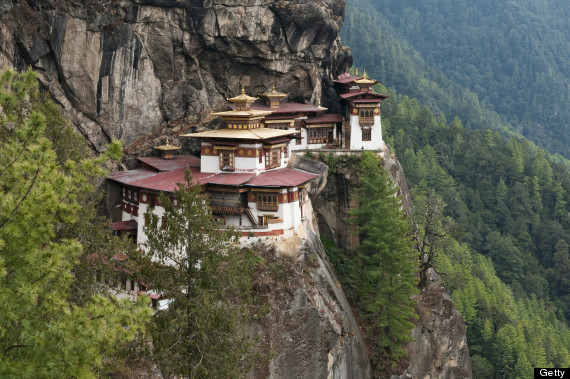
(128, 177)
(326, 118)
(282, 177)
(354, 94)
(167, 181)
(124, 225)
(179, 161)
(346, 78)
(230, 179)
(161, 181)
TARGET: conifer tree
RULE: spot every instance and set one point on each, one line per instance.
(199, 269)
(388, 260)
(42, 332)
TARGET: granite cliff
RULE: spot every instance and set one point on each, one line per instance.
(138, 70)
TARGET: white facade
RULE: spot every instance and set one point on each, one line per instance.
(243, 164)
(356, 142)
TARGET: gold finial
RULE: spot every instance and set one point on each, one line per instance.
(273, 88)
(364, 76)
(356, 68)
(167, 150)
(242, 89)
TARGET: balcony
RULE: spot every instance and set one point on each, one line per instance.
(227, 207)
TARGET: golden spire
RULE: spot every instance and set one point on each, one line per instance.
(242, 101)
(364, 80)
(167, 150)
(273, 98)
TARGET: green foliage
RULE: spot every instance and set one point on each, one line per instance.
(493, 216)
(330, 160)
(198, 267)
(472, 60)
(388, 262)
(346, 268)
(43, 333)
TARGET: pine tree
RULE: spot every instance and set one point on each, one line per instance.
(198, 268)
(389, 263)
(42, 332)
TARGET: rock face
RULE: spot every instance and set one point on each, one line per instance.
(309, 326)
(140, 69)
(440, 347)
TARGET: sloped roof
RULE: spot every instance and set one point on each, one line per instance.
(324, 119)
(282, 177)
(288, 108)
(346, 78)
(355, 94)
(179, 161)
(251, 134)
(167, 181)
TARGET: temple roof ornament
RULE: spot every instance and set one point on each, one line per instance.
(242, 101)
(273, 98)
(167, 150)
(364, 80)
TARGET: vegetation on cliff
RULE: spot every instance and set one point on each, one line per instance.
(48, 326)
(493, 209)
(380, 274)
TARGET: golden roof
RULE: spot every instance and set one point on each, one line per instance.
(167, 146)
(252, 134)
(242, 98)
(242, 113)
(365, 80)
(274, 93)
(321, 108)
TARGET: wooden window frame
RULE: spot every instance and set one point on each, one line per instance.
(268, 201)
(366, 116)
(272, 158)
(227, 156)
(366, 134)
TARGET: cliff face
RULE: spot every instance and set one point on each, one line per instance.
(309, 327)
(140, 69)
(440, 348)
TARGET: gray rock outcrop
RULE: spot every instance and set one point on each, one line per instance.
(309, 327)
(138, 70)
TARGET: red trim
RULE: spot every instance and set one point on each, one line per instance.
(275, 232)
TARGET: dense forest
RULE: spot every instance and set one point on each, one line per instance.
(493, 209)
(496, 217)
(495, 65)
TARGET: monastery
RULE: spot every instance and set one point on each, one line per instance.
(244, 167)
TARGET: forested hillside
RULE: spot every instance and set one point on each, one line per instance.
(493, 210)
(494, 218)
(494, 64)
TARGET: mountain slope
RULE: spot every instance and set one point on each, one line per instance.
(501, 63)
